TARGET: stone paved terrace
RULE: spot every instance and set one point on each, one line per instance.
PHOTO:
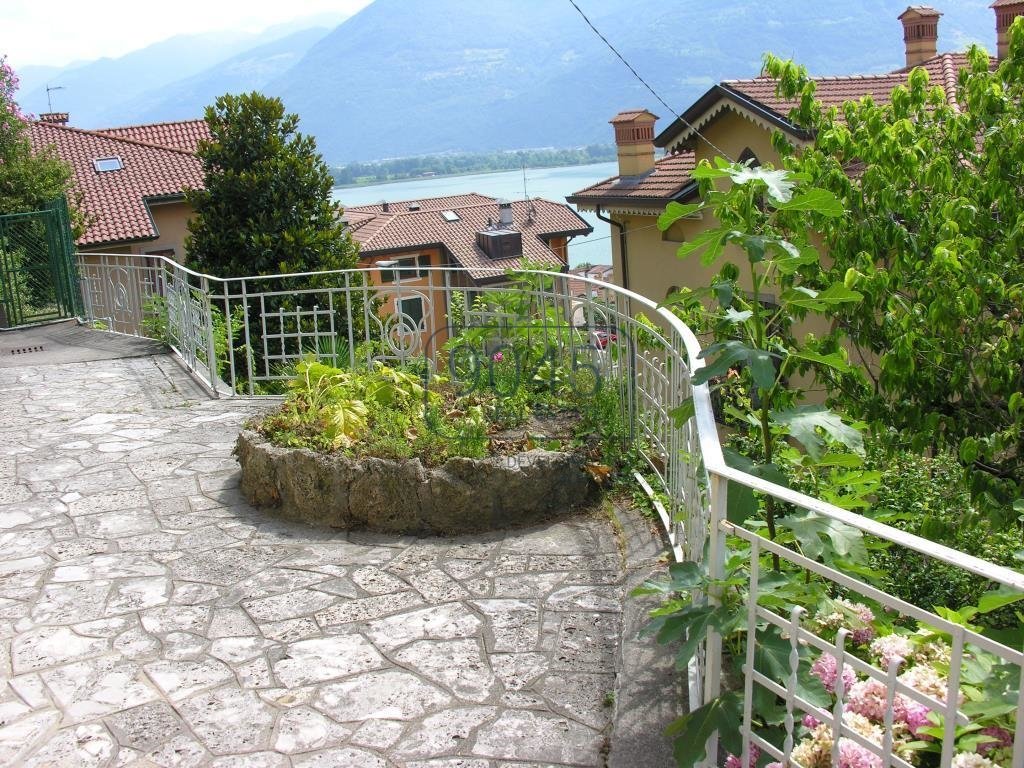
(150, 617)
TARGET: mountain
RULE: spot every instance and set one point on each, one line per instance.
(103, 92)
(249, 70)
(403, 78)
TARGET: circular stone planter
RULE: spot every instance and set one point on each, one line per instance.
(403, 496)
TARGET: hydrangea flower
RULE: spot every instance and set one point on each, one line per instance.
(925, 679)
(889, 648)
(732, 761)
(865, 633)
(816, 750)
(853, 755)
(915, 715)
(824, 668)
(869, 698)
(971, 760)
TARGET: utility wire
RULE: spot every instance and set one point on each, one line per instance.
(588, 240)
(644, 83)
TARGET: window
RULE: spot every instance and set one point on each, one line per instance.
(107, 164)
(748, 156)
(404, 269)
(412, 308)
(450, 216)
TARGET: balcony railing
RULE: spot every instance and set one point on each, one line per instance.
(239, 336)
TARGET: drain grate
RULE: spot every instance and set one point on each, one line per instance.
(26, 350)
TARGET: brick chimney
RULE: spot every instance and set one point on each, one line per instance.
(1006, 12)
(57, 118)
(634, 141)
(920, 33)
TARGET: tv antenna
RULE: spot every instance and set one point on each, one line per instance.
(50, 89)
(529, 203)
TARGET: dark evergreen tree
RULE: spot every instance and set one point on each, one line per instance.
(266, 206)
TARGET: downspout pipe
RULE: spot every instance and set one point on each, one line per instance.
(622, 245)
(631, 357)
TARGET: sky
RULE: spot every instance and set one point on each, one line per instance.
(58, 32)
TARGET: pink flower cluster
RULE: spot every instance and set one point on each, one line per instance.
(825, 669)
(889, 648)
(870, 699)
(8, 87)
(863, 630)
(922, 662)
(732, 761)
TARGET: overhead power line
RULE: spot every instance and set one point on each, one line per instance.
(646, 85)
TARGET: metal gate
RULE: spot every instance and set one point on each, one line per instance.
(38, 277)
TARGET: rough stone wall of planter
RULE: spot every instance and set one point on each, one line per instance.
(403, 496)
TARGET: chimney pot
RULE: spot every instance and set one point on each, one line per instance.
(57, 118)
(384, 206)
(920, 33)
(634, 141)
(1006, 12)
(505, 214)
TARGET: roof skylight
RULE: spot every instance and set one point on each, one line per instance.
(107, 164)
(450, 215)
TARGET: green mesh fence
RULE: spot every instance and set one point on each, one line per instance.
(38, 280)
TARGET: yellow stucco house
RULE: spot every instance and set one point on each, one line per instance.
(737, 118)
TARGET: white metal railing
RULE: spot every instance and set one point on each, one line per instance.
(239, 336)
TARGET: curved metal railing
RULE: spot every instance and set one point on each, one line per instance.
(239, 336)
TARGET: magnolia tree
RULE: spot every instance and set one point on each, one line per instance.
(28, 179)
(266, 203)
(934, 187)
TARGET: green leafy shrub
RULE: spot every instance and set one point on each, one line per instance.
(929, 496)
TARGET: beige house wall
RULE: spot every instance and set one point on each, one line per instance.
(654, 269)
(171, 220)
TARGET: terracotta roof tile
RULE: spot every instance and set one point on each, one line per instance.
(425, 204)
(400, 230)
(629, 115)
(943, 70)
(670, 175)
(114, 202)
(184, 134)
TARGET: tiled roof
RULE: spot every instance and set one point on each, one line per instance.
(425, 204)
(600, 272)
(184, 134)
(670, 175)
(400, 230)
(115, 202)
(942, 70)
(629, 115)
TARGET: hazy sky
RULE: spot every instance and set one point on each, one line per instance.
(58, 32)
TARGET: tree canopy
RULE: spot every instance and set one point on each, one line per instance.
(266, 205)
(28, 179)
(934, 185)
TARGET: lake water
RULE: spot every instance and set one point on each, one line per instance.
(551, 183)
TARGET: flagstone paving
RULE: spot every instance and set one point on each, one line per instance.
(150, 617)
